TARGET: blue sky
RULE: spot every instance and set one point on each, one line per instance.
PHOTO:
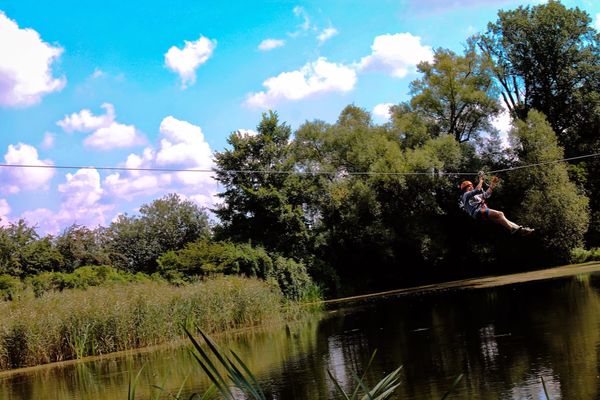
(164, 83)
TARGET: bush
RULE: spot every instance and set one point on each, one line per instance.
(204, 258)
(580, 255)
(291, 277)
(81, 278)
(9, 286)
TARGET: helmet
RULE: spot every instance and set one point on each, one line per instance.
(465, 184)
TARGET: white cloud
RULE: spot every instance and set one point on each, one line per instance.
(81, 204)
(130, 186)
(270, 44)
(48, 141)
(85, 121)
(43, 219)
(82, 189)
(89, 200)
(382, 111)
(182, 146)
(25, 65)
(327, 34)
(108, 134)
(4, 212)
(185, 62)
(313, 78)
(396, 54)
(503, 122)
(598, 22)
(25, 178)
(114, 136)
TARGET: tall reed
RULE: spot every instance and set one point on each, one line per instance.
(100, 320)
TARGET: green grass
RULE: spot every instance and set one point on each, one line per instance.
(77, 323)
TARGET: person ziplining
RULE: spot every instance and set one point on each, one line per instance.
(473, 202)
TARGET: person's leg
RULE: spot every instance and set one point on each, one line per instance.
(499, 218)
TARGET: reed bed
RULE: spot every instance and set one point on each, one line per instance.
(78, 323)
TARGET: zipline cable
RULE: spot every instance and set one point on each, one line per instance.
(275, 172)
(543, 163)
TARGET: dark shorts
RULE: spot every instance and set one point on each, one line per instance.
(481, 213)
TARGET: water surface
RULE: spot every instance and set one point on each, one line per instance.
(503, 339)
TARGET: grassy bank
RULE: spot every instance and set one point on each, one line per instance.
(76, 323)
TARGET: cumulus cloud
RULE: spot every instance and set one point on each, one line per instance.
(396, 54)
(382, 111)
(270, 44)
(327, 34)
(89, 200)
(85, 120)
(25, 65)
(185, 61)
(320, 76)
(81, 204)
(114, 136)
(14, 180)
(181, 146)
(106, 132)
(81, 194)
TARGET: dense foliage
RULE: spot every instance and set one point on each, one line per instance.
(357, 206)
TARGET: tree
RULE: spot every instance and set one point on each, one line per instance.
(23, 252)
(551, 202)
(456, 94)
(547, 58)
(80, 246)
(263, 198)
(135, 242)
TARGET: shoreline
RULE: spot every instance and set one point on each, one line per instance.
(477, 283)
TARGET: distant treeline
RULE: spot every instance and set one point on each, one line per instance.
(313, 216)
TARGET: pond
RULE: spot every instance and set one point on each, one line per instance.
(504, 339)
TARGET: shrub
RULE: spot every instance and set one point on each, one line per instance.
(9, 285)
(204, 258)
(580, 255)
(291, 277)
(81, 278)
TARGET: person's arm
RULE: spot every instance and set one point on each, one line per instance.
(480, 184)
(493, 184)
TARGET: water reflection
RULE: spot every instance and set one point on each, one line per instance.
(503, 339)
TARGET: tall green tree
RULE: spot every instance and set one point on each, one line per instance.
(80, 246)
(550, 201)
(456, 93)
(547, 58)
(262, 200)
(23, 252)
